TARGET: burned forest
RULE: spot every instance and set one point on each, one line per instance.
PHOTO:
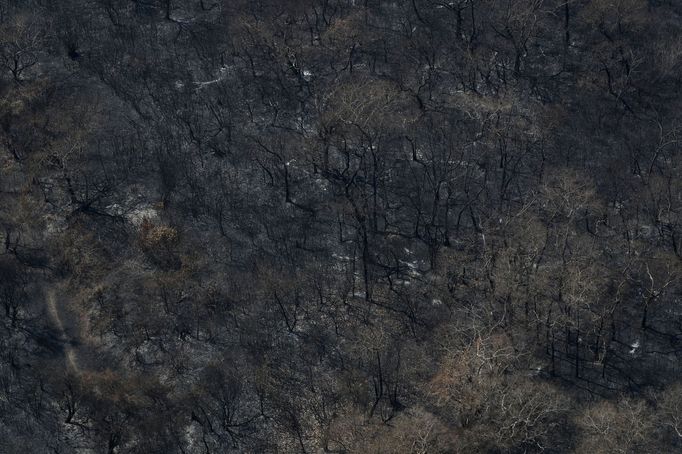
(340, 226)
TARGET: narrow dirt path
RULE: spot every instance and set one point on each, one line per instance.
(69, 351)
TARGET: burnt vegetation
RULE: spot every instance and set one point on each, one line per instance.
(344, 226)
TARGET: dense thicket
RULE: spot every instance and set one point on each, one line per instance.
(349, 226)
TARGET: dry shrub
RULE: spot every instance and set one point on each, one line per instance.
(159, 244)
